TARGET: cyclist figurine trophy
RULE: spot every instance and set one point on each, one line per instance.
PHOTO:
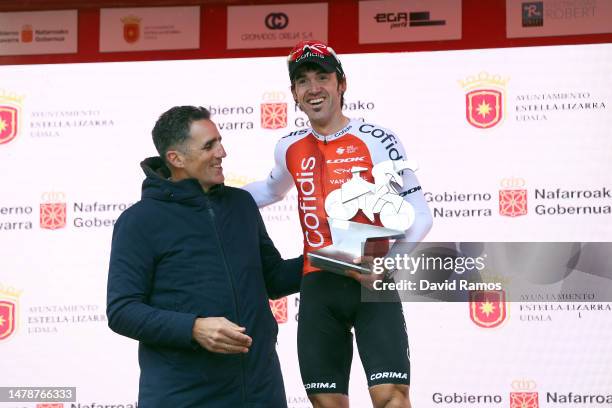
(381, 197)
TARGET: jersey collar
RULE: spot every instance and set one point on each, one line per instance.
(336, 135)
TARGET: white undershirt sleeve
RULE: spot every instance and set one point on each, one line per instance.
(278, 183)
(422, 220)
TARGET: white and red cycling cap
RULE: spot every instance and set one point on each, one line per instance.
(313, 52)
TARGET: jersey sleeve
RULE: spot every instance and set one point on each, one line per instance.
(423, 219)
(278, 182)
(389, 147)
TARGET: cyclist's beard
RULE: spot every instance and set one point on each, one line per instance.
(323, 114)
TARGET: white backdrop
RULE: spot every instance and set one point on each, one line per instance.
(84, 128)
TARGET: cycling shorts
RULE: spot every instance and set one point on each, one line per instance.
(330, 306)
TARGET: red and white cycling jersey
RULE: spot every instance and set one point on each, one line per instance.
(318, 165)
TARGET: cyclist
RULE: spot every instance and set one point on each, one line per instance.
(317, 161)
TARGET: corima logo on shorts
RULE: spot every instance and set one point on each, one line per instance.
(9, 311)
(53, 210)
(10, 115)
(513, 198)
(274, 110)
(524, 394)
(279, 309)
(487, 307)
(485, 99)
(319, 386)
(387, 375)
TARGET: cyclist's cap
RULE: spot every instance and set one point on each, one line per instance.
(313, 52)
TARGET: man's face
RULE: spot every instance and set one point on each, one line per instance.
(202, 154)
(318, 94)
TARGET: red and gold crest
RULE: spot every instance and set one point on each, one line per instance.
(131, 29)
(487, 308)
(279, 309)
(9, 123)
(53, 211)
(273, 115)
(484, 99)
(9, 311)
(524, 400)
(27, 34)
(512, 203)
(483, 108)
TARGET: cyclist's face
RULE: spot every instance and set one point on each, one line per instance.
(318, 94)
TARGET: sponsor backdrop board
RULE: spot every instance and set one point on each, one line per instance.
(513, 145)
(547, 18)
(149, 28)
(38, 32)
(390, 21)
(273, 26)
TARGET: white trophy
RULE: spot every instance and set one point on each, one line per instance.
(381, 197)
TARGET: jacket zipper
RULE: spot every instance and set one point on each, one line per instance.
(233, 286)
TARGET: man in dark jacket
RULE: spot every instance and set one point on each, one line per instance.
(191, 271)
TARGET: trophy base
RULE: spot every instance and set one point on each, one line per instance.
(334, 260)
(348, 238)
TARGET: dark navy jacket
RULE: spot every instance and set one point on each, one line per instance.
(178, 254)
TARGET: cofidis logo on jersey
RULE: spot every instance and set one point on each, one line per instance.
(485, 99)
(10, 115)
